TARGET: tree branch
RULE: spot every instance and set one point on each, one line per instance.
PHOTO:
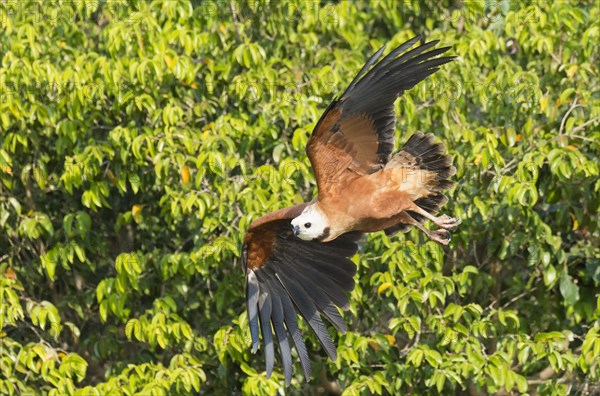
(581, 127)
(574, 105)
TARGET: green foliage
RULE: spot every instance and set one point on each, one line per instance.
(139, 139)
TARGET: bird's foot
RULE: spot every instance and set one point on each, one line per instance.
(440, 236)
(446, 222)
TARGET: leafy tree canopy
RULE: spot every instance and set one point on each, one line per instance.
(139, 139)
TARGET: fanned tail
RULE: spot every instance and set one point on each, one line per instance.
(420, 153)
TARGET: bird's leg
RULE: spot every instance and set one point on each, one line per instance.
(441, 236)
(444, 221)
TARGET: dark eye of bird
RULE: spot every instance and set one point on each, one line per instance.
(307, 225)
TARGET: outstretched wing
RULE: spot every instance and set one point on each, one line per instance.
(286, 276)
(355, 135)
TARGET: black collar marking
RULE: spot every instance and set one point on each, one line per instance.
(324, 235)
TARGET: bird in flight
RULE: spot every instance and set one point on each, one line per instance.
(297, 259)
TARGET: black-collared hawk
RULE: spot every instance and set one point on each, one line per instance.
(297, 259)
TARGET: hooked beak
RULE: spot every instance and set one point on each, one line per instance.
(295, 230)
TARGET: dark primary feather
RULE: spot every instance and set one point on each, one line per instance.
(301, 277)
(252, 290)
(312, 286)
(291, 322)
(264, 309)
(376, 92)
(277, 316)
(370, 62)
(307, 308)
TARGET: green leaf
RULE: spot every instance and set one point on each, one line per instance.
(568, 289)
(550, 276)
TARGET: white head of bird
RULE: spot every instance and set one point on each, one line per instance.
(312, 224)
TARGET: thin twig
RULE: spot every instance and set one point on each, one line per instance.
(234, 17)
(587, 139)
(410, 346)
(475, 254)
(518, 297)
(536, 381)
(580, 127)
(509, 166)
(574, 105)
(556, 58)
(456, 118)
